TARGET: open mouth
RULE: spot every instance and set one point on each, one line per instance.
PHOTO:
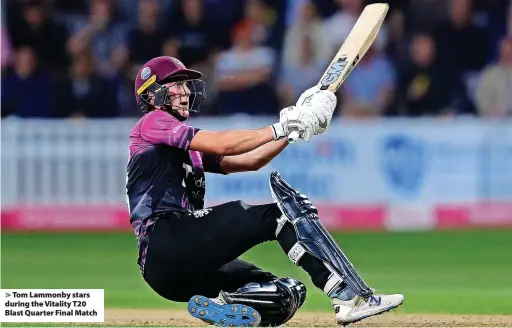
(183, 106)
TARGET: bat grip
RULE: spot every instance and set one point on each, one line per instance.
(293, 136)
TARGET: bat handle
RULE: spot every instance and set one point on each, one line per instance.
(293, 136)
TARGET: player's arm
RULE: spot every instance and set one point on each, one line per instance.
(236, 142)
(160, 127)
(232, 142)
(253, 160)
(320, 108)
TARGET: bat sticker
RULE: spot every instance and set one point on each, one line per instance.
(333, 72)
(354, 63)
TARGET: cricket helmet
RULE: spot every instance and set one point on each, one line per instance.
(150, 90)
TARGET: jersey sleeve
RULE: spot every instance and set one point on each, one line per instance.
(160, 127)
(211, 163)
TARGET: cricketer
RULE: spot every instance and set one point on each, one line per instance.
(188, 253)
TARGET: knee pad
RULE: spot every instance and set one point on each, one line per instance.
(277, 301)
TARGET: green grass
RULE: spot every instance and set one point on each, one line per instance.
(438, 272)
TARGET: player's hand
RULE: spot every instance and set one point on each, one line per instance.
(280, 130)
(299, 119)
(322, 103)
(305, 97)
(308, 123)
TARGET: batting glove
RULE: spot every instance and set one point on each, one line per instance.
(280, 130)
(298, 119)
(322, 103)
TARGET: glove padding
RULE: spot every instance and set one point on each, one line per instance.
(322, 103)
(295, 118)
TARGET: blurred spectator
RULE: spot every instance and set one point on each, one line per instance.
(491, 15)
(6, 49)
(370, 89)
(127, 105)
(306, 54)
(262, 17)
(239, 64)
(339, 25)
(146, 40)
(323, 8)
(192, 38)
(462, 47)
(40, 32)
(243, 74)
(509, 20)
(223, 14)
(27, 90)
(424, 87)
(396, 48)
(293, 10)
(424, 15)
(85, 93)
(326, 8)
(494, 92)
(129, 11)
(102, 33)
(71, 7)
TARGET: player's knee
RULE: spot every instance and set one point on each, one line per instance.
(261, 211)
(243, 205)
(260, 221)
(277, 301)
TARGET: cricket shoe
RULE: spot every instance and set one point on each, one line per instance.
(360, 308)
(217, 312)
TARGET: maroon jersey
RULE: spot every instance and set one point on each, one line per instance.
(163, 174)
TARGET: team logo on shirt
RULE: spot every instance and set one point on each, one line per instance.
(146, 72)
(201, 213)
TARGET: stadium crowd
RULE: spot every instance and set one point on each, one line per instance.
(63, 58)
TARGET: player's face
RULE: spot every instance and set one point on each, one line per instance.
(179, 95)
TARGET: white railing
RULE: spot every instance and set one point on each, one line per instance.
(84, 162)
(61, 162)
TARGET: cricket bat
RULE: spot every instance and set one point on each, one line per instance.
(351, 51)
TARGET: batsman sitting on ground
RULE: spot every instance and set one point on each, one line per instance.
(188, 253)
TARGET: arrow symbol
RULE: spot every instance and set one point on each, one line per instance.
(7, 294)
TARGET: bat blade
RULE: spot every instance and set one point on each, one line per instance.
(355, 46)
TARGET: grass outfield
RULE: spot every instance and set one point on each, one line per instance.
(466, 272)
